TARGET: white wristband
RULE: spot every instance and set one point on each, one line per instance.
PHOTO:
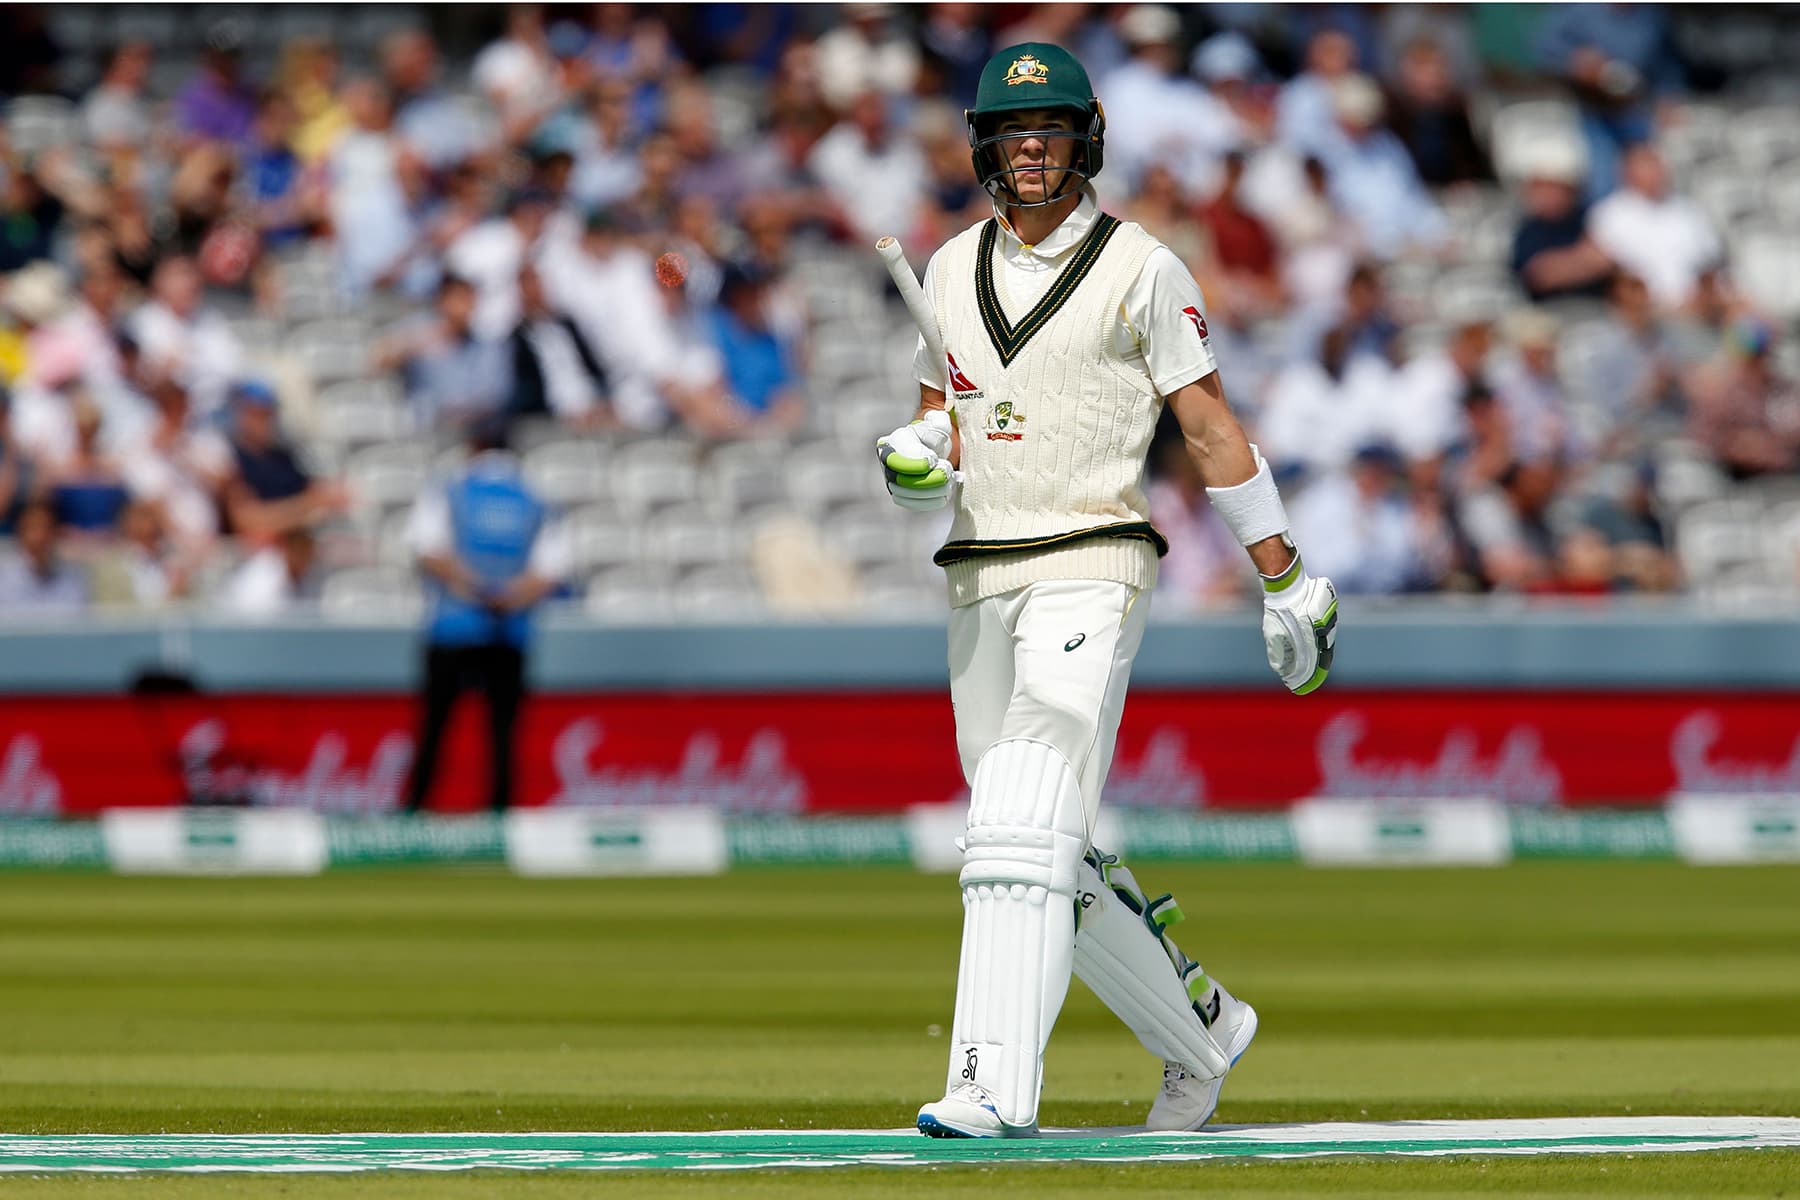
(1252, 510)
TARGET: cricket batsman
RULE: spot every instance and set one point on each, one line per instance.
(1065, 330)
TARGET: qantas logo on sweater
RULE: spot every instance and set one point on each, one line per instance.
(961, 384)
(1193, 314)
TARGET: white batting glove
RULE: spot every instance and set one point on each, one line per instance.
(916, 460)
(1299, 627)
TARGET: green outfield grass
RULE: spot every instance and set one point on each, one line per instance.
(435, 999)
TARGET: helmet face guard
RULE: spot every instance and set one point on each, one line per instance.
(987, 152)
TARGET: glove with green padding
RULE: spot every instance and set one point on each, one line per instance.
(916, 459)
(1299, 627)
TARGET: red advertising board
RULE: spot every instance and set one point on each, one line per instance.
(879, 752)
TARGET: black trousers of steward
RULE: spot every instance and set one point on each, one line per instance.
(498, 673)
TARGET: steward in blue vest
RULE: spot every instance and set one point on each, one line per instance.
(490, 553)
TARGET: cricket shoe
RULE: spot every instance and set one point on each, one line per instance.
(1187, 1100)
(969, 1112)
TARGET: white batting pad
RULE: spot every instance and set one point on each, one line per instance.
(1026, 836)
(1123, 961)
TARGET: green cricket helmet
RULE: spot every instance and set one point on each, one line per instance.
(1033, 76)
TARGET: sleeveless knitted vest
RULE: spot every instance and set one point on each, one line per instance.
(1055, 425)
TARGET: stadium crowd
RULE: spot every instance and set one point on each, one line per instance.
(232, 249)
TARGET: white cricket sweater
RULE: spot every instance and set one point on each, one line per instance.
(1055, 422)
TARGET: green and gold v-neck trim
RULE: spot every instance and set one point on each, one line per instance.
(1009, 339)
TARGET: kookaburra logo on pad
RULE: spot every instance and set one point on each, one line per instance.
(1026, 69)
(1003, 421)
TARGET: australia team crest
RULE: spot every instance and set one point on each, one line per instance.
(1005, 423)
(1027, 69)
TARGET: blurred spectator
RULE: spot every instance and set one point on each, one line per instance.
(876, 173)
(956, 45)
(205, 200)
(1506, 521)
(179, 335)
(1743, 412)
(377, 218)
(1360, 529)
(518, 73)
(1426, 412)
(18, 473)
(1321, 244)
(1531, 393)
(705, 167)
(31, 215)
(631, 43)
(762, 379)
(1233, 74)
(1448, 28)
(272, 175)
(1367, 321)
(952, 200)
(751, 34)
(1162, 205)
(1662, 238)
(1619, 59)
(1631, 371)
(1242, 245)
(180, 467)
(1205, 565)
(453, 375)
(216, 105)
(86, 329)
(608, 287)
(138, 243)
(1319, 411)
(116, 114)
(428, 119)
(555, 372)
(491, 552)
(867, 52)
(275, 581)
(140, 572)
(1430, 115)
(1373, 179)
(36, 579)
(606, 166)
(308, 78)
(1552, 254)
(37, 299)
(1306, 113)
(490, 256)
(1633, 531)
(268, 491)
(779, 169)
(1158, 116)
(87, 488)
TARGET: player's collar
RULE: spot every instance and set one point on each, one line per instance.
(1064, 237)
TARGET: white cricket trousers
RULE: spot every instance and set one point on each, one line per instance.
(1050, 661)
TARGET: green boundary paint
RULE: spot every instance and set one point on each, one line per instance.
(750, 1149)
